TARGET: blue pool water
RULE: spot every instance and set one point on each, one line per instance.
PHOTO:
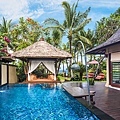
(34, 102)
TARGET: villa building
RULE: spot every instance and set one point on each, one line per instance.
(111, 49)
(7, 71)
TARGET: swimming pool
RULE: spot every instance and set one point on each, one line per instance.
(34, 102)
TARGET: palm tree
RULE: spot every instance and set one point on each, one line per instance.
(55, 38)
(87, 38)
(65, 47)
(73, 22)
(107, 26)
(5, 26)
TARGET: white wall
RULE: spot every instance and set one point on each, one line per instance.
(12, 74)
(107, 73)
(4, 74)
(115, 57)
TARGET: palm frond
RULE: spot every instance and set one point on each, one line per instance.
(80, 17)
(67, 12)
(82, 25)
(54, 27)
(9, 24)
(51, 21)
(4, 25)
(85, 40)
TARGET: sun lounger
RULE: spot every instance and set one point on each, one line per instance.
(100, 76)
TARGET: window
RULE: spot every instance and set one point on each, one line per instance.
(116, 72)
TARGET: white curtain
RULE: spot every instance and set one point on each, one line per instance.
(50, 65)
(33, 65)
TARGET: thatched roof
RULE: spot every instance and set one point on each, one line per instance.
(43, 50)
(101, 49)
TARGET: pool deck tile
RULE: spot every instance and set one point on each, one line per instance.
(107, 100)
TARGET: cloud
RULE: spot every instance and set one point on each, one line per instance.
(99, 9)
(13, 9)
(18, 8)
(28, 8)
(41, 9)
(100, 3)
(48, 4)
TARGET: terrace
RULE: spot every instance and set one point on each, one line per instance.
(107, 100)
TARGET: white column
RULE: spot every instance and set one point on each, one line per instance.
(107, 73)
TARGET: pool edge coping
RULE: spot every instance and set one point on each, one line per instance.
(99, 113)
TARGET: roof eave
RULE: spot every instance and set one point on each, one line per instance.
(44, 58)
(101, 50)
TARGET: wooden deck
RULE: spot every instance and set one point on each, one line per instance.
(107, 99)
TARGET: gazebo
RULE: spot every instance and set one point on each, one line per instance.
(42, 52)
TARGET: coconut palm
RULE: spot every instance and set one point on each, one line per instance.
(65, 48)
(73, 22)
(5, 26)
(55, 38)
(107, 26)
(87, 38)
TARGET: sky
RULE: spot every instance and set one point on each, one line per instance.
(39, 10)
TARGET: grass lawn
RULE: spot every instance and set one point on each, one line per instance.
(63, 79)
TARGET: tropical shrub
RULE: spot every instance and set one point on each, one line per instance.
(20, 72)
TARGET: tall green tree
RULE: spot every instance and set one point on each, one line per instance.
(5, 27)
(54, 38)
(65, 47)
(87, 38)
(107, 27)
(74, 22)
(25, 33)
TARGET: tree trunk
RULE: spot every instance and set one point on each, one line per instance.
(70, 41)
(63, 66)
(81, 74)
